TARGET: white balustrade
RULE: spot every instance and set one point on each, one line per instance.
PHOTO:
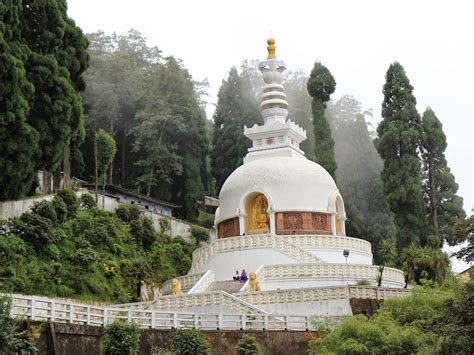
(201, 255)
(187, 281)
(203, 283)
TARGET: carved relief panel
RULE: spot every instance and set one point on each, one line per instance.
(302, 223)
(228, 228)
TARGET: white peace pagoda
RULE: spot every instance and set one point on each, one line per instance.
(281, 216)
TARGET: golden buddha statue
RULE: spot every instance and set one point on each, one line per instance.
(258, 220)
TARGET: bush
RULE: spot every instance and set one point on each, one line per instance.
(165, 225)
(143, 232)
(199, 234)
(13, 340)
(46, 210)
(60, 208)
(70, 199)
(363, 282)
(88, 201)
(121, 338)
(190, 342)
(205, 219)
(35, 230)
(248, 346)
(128, 213)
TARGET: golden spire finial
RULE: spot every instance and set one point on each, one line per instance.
(271, 48)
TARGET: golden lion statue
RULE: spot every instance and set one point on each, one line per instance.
(253, 282)
(176, 287)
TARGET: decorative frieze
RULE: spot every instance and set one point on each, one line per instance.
(228, 228)
(288, 223)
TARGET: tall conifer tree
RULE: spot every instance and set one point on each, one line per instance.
(54, 67)
(444, 207)
(18, 140)
(321, 85)
(399, 137)
(234, 110)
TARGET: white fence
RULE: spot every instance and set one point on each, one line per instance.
(65, 312)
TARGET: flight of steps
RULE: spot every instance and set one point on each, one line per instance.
(229, 286)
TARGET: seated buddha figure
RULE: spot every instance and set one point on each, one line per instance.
(258, 214)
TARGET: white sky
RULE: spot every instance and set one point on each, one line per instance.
(356, 40)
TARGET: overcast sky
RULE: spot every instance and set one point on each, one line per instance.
(356, 40)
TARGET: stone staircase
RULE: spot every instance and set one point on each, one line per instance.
(229, 286)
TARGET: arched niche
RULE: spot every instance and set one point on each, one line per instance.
(257, 219)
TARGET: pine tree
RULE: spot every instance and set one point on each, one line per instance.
(444, 207)
(18, 140)
(321, 85)
(55, 63)
(358, 172)
(399, 136)
(235, 109)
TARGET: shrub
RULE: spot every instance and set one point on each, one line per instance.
(363, 282)
(128, 213)
(190, 342)
(60, 208)
(165, 225)
(121, 338)
(205, 219)
(143, 232)
(248, 346)
(199, 234)
(35, 230)
(13, 340)
(46, 210)
(88, 201)
(70, 199)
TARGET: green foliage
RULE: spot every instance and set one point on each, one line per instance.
(91, 255)
(128, 213)
(247, 345)
(70, 199)
(190, 342)
(106, 150)
(199, 234)
(363, 282)
(143, 232)
(358, 173)
(443, 207)
(435, 320)
(18, 139)
(54, 66)
(205, 219)
(464, 229)
(88, 201)
(13, 339)
(165, 225)
(236, 107)
(321, 85)
(121, 338)
(152, 107)
(399, 136)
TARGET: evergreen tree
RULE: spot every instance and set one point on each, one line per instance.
(18, 140)
(321, 85)
(399, 136)
(54, 66)
(299, 109)
(358, 173)
(235, 109)
(444, 207)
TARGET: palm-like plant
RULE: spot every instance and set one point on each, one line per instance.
(440, 263)
(387, 250)
(411, 255)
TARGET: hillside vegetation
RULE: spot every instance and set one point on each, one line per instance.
(69, 248)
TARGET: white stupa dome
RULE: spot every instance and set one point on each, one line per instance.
(289, 183)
